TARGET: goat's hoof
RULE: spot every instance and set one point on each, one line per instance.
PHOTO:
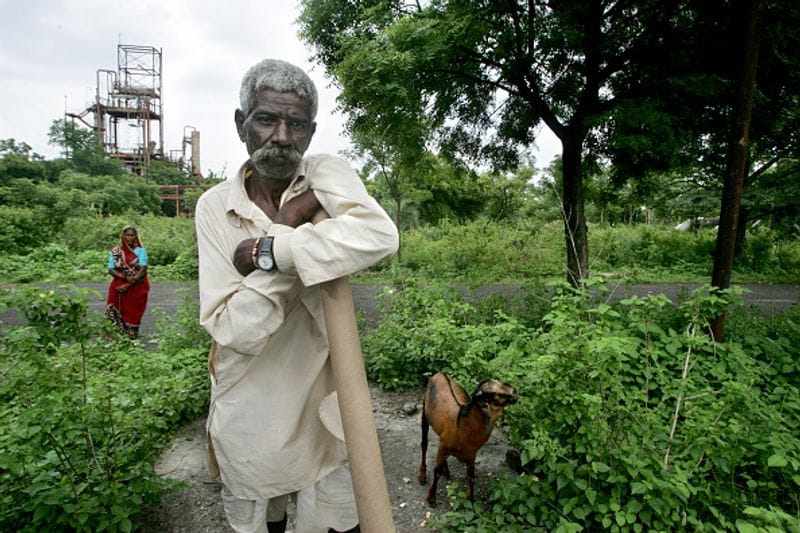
(422, 479)
(432, 501)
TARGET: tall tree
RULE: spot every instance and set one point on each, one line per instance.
(485, 74)
(738, 144)
(677, 113)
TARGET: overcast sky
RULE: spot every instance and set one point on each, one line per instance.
(51, 50)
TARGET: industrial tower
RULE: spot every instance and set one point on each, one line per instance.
(128, 113)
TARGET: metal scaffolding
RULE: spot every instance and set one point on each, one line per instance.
(128, 113)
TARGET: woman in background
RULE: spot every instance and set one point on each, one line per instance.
(127, 293)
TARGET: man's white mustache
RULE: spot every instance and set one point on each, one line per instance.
(268, 153)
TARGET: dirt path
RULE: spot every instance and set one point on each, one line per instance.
(198, 507)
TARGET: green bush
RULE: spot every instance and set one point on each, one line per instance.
(428, 329)
(485, 251)
(81, 420)
(81, 252)
(418, 333)
(164, 238)
(639, 426)
(182, 330)
(630, 417)
(19, 230)
(656, 253)
(477, 252)
(661, 250)
(183, 268)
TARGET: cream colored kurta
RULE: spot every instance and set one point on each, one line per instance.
(271, 373)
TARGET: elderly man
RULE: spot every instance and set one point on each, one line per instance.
(273, 415)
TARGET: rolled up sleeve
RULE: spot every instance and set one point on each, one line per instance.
(357, 234)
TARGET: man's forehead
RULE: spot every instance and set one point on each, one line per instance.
(270, 98)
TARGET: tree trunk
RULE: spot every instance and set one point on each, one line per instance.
(573, 212)
(398, 216)
(738, 143)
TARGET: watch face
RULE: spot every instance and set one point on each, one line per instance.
(264, 261)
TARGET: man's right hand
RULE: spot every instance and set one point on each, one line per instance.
(243, 257)
(298, 210)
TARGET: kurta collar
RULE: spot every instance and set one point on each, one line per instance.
(238, 205)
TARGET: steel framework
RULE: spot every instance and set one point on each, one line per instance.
(128, 108)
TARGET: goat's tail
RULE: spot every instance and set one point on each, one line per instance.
(423, 445)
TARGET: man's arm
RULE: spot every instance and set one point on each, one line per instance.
(357, 235)
(297, 211)
(240, 313)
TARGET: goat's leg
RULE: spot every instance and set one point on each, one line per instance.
(441, 466)
(470, 480)
(424, 445)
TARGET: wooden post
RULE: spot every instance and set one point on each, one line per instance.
(360, 433)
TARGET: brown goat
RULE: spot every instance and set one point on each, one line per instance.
(463, 424)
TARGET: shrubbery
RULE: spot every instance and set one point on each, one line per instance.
(656, 253)
(485, 251)
(82, 420)
(493, 252)
(630, 418)
(477, 252)
(19, 228)
(81, 251)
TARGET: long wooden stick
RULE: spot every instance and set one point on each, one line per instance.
(361, 436)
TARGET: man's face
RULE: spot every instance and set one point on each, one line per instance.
(277, 132)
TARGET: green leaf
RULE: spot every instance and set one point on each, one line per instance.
(600, 467)
(777, 460)
(745, 527)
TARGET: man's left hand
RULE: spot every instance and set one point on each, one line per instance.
(295, 212)
(298, 210)
(243, 257)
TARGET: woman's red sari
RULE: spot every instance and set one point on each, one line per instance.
(126, 309)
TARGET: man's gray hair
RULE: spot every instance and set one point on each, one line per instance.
(279, 76)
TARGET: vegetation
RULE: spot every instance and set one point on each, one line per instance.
(479, 252)
(630, 418)
(58, 218)
(646, 85)
(82, 419)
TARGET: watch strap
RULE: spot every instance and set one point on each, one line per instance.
(265, 248)
(254, 254)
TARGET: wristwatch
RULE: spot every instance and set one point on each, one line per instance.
(264, 258)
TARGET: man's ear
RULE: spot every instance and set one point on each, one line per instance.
(238, 117)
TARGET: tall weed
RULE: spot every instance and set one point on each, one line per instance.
(631, 418)
(82, 419)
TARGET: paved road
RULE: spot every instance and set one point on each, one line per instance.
(169, 296)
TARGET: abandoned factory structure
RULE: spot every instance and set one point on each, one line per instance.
(127, 116)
